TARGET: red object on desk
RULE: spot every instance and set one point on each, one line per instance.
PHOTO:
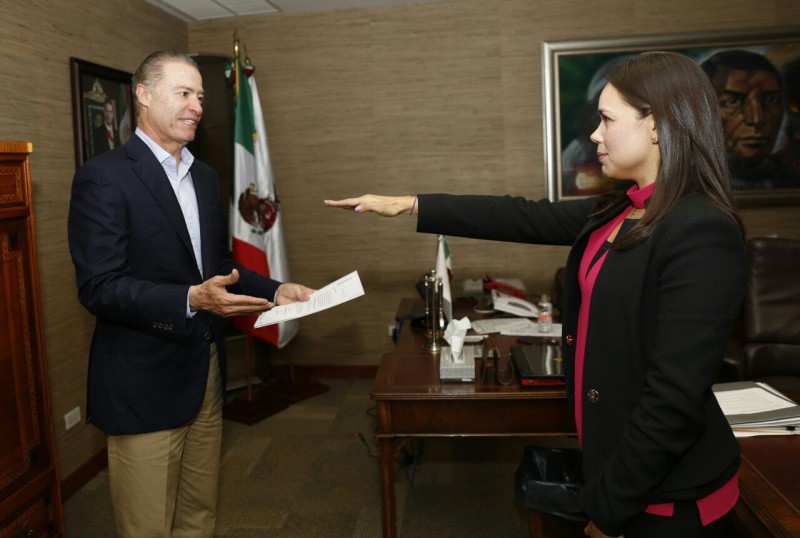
(490, 284)
(542, 382)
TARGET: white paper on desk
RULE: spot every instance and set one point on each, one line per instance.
(533, 330)
(753, 432)
(345, 289)
(750, 400)
(499, 325)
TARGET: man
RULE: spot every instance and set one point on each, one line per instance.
(105, 136)
(148, 238)
(751, 104)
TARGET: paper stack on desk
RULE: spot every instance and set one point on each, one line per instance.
(513, 327)
(757, 409)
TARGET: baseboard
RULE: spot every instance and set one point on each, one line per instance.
(85, 472)
(328, 371)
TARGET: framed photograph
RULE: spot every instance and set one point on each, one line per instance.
(102, 108)
(757, 79)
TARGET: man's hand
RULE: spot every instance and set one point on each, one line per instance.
(212, 296)
(292, 293)
(386, 206)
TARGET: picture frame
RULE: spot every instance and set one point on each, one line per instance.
(765, 168)
(103, 111)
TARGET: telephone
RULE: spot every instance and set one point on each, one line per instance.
(513, 305)
(491, 284)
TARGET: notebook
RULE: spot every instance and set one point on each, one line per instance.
(539, 364)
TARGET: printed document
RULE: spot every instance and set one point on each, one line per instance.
(345, 289)
(747, 401)
(749, 405)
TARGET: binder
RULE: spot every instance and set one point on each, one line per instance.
(750, 404)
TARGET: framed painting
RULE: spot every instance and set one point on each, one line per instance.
(757, 80)
(102, 108)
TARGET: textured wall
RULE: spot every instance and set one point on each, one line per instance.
(438, 97)
(37, 38)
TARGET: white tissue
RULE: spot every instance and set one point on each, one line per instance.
(454, 334)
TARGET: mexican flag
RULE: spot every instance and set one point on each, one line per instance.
(255, 215)
(444, 270)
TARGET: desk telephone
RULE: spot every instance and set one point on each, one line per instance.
(513, 305)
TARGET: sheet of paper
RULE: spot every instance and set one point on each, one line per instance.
(749, 401)
(752, 432)
(496, 325)
(533, 330)
(345, 289)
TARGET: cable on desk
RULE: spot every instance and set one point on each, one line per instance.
(399, 325)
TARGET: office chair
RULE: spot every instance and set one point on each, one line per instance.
(770, 317)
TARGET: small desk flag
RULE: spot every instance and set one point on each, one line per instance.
(444, 269)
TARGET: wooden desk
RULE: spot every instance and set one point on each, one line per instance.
(769, 481)
(412, 402)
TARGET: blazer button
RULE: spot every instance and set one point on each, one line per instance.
(208, 336)
(570, 340)
(593, 395)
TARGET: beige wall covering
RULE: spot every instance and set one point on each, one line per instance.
(437, 97)
(37, 39)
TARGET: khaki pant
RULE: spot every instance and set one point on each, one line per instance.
(164, 484)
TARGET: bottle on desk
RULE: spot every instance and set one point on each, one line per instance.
(545, 318)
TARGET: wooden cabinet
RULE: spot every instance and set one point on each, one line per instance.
(30, 500)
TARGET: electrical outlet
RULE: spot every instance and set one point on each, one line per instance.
(391, 329)
(72, 418)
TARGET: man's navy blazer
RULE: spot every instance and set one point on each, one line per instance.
(134, 265)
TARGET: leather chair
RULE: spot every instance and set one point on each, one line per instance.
(770, 320)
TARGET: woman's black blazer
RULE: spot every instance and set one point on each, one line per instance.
(660, 316)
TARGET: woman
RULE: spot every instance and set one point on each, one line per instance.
(654, 281)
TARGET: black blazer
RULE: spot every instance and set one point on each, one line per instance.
(134, 265)
(661, 314)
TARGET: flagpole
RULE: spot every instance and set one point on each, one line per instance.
(253, 406)
(248, 365)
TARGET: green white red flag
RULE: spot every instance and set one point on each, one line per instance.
(444, 270)
(255, 215)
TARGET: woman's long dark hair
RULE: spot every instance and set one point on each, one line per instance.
(679, 95)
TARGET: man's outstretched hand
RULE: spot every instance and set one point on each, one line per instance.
(212, 296)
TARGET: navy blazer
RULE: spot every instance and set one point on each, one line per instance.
(134, 265)
(660, 316)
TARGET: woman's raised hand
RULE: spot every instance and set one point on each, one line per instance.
(386, 206)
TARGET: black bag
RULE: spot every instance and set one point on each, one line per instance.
(548, 480)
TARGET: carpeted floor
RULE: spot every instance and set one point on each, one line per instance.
(311, 471)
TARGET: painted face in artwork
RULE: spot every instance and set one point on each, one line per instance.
(751, 105)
